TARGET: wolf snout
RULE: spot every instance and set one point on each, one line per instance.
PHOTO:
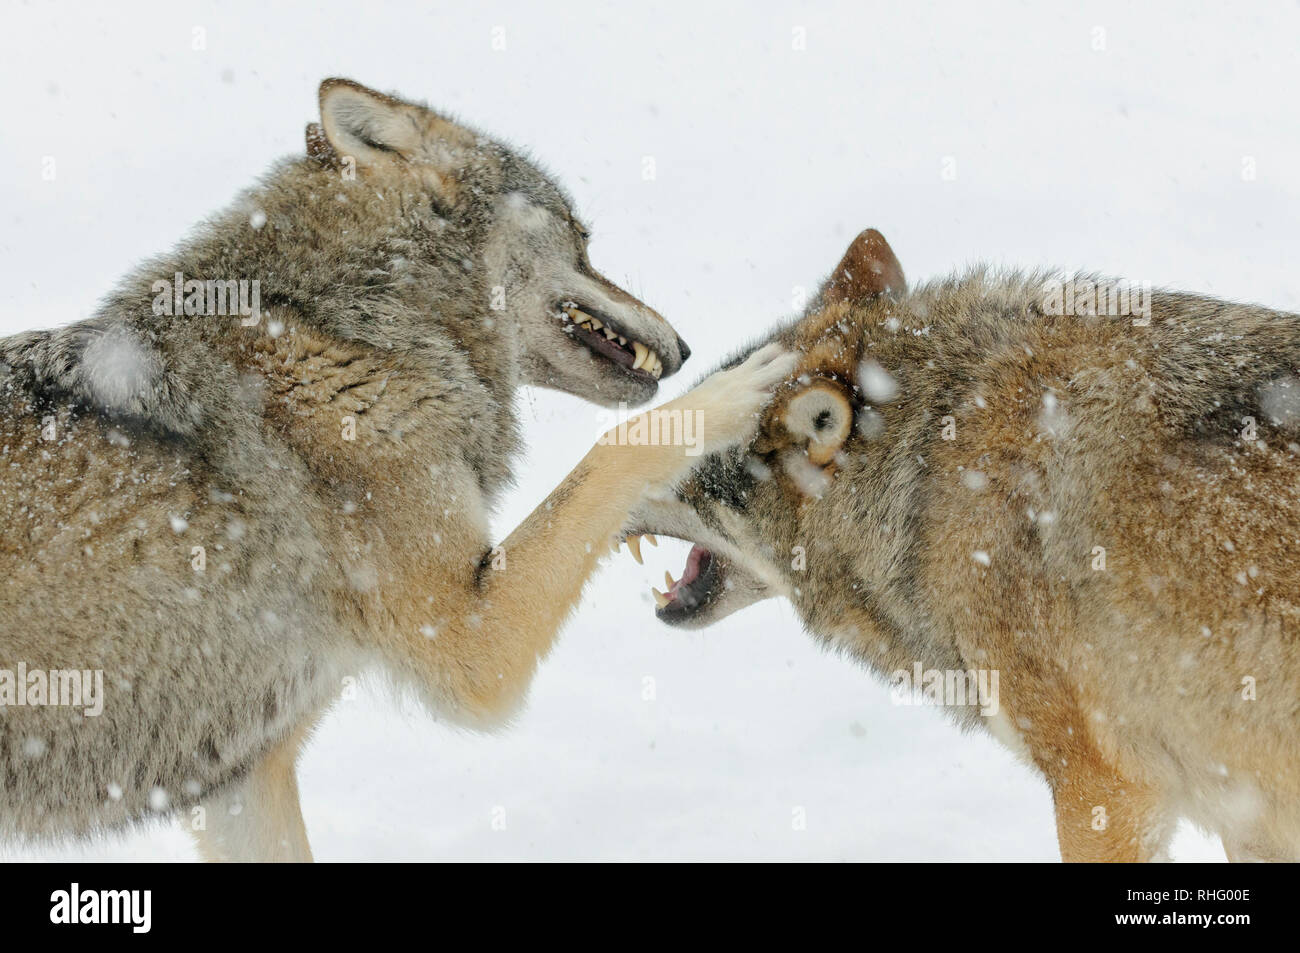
(661, 338)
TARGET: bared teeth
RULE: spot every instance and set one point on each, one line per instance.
(668, 578)
(660, 599)
(651, 539)
(634, 547)
(644, 358)
(578, 316)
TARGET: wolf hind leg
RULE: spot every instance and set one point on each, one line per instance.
(259, 820)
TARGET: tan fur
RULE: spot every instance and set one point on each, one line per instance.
(262, 820)
(1123, 682)
(230, 519)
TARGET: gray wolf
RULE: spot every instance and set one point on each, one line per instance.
(225, 509)
(1100, 509)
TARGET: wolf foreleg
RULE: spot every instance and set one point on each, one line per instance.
(497, 628)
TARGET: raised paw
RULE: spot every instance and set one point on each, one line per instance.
(728, 404)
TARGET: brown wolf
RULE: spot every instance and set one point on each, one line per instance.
(1100, 510)
(212, 519)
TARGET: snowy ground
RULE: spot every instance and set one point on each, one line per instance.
(1132, 158)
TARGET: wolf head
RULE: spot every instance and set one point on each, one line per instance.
(764, 517)
(571, 328)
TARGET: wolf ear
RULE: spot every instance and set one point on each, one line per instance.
(868, 268)
(822, 414)
(373, 128)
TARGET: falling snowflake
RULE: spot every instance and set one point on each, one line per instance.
(877, 382)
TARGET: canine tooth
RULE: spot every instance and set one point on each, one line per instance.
(651, 539)
(634, 547)
(641, 353)
(660, 599)
(668, 578)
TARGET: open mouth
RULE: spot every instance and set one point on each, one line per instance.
(600, 335)
(700, 584)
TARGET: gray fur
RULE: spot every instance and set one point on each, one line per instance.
(130, 438)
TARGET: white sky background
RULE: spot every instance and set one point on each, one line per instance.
(1126, 160)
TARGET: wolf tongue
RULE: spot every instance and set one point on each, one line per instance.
(694, 562)
(692, 570)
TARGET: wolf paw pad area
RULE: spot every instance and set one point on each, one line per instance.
(570, 433)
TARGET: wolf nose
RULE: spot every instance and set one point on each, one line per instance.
(682, 349)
